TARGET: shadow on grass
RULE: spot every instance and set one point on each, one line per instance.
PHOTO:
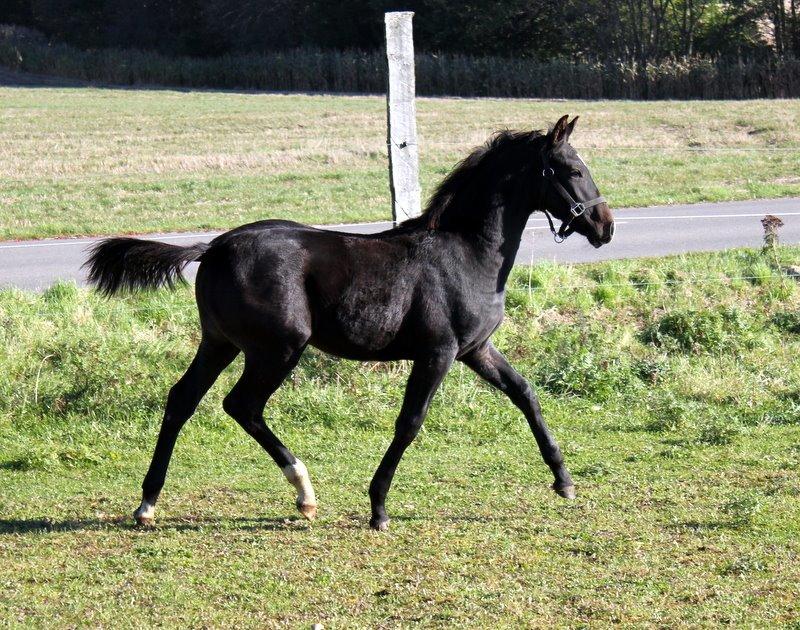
(509, 522)
(284, 524)
(28, 526)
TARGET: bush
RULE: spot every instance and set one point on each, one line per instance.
(702, 330)
(583, 362)
(669, 413)
(787, 321)
(718, 432)
(652, 370)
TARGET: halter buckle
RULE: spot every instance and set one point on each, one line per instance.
(577, 210)
(548, 173)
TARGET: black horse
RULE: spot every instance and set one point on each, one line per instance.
(430, 291)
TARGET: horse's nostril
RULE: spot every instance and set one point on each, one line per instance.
(607, 233)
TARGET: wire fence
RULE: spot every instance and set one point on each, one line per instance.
(478, 137)
(126, 304)
(423, 144)
(636, 284)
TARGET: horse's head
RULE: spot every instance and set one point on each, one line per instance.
(568, 190)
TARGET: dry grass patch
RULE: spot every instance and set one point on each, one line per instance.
(80, 160)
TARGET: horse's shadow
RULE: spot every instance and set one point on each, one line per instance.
(124, 523)
(45, 525)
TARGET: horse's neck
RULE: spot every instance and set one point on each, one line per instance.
(492, 220)
(498, 239)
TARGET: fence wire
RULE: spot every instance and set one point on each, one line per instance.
(691, 149)
(124, 307)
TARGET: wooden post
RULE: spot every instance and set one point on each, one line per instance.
(402, 117)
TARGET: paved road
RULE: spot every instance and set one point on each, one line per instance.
(656, 231)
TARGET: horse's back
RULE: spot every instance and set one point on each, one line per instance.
(347, 293)
(379, 297)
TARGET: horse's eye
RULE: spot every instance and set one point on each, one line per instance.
(576, 174)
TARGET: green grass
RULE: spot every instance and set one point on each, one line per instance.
(673, 387)
(98, 161)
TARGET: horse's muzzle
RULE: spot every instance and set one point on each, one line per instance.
(604, 224)
(608, 233)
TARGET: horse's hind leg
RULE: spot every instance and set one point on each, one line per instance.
(212, 357)
(263, 374)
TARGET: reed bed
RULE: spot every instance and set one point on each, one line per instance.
(352, 71)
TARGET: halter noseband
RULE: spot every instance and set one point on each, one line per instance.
(576, 208)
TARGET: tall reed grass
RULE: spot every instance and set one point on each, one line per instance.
(353, 71)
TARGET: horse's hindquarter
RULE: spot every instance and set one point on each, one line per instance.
(250, 285)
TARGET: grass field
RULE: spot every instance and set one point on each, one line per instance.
(672, 385)
(90, 161)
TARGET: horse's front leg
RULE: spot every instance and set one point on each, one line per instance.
(496, 370)
(426, 375)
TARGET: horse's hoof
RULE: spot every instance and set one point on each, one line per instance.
(567, 492)
(379, 524)
(308, 510)
(143, 521)
(145, 514)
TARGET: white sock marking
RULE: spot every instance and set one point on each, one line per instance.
(146, 510)
(297, 475)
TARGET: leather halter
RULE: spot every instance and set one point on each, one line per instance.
(576, 208)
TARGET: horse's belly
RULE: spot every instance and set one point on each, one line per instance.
(364, 317)
(358, 330)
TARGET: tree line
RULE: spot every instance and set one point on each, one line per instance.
(643, 31)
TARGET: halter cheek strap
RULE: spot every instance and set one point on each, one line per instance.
(576, 208)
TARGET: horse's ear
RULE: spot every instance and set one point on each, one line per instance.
(571, 126)
(559, 132)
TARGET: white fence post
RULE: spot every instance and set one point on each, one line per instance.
(402, 117)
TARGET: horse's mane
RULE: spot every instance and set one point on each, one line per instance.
(447, 206)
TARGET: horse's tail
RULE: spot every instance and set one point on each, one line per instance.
(127, 264)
